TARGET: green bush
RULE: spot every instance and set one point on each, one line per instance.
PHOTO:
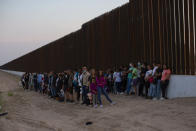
(10, 94)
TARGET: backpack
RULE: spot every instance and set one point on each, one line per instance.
(75, 82)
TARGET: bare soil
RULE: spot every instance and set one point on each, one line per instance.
(30, 111)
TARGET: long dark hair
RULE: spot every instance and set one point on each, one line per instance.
(98, 75)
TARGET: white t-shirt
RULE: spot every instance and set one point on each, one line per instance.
(148, 73)
(80, 80)
(154, 70)
(117, 76)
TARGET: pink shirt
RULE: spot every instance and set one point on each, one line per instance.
(93, 88)
(101, 81)
(166, 75)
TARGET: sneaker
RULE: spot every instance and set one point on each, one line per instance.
(121, 93)
(101, 106)
(154, 99)
(113, 103)
(95, 106)
(162, 98)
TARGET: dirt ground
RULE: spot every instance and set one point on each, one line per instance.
(30, 111)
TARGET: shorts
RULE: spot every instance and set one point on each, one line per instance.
(70, 90)
(65, 88)
(135, 82)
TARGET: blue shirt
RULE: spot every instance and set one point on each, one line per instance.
(39, 78)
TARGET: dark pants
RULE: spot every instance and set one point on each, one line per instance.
(23, 85)
(35, 86)
(40, 87)
(118, 87)
(100, 91)
(26, 85)
(141, 88)
(147, 86)
(110, 87)
(164, 85)
(124, 83)
(84, 94)
(77, 90)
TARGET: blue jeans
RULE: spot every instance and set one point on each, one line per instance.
(129, 81)
(158, 91)
(118, 86)
(53, 92)
(102, 90)
(152, 91)
(114, 88)
(84, 94)
(40, 87)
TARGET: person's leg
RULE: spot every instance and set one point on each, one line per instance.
(84, 94)
(78, 93)
(23, 85)
(38, 86)
(115, 88)
(54, 90)
(154, 91)
(141, 87)
(166, 86)
(35, 86)
(128, 86)
(158, 89)
(106, 95)
(96, 99)
(118, 87)
(71, 94)
(99, 95)
(150, 90)
(163, 89)
(67, 94)
(146, 88)
(93, 99)
(27, 85)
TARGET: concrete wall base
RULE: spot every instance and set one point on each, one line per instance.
(182, 86)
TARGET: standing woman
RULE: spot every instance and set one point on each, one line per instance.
(135, 78)
(117, 80)
(79, 85)
(26, 81)
(147, 79)
(30, 81)
(165, 80)
(100, 88)
(92, 75)
(70, 86)
(76, 85)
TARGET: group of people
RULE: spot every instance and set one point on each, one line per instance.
(81, 85)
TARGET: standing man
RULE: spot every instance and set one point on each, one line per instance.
(85, 84)
(39, 82)
(129, 79)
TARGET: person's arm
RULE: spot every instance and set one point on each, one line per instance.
(88, 81)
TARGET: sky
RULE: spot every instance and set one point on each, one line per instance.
(26, 25)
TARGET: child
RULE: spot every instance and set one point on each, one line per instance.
(93, 88)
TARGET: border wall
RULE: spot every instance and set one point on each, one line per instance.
(141, 30)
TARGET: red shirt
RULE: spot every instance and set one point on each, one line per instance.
(166, 75)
